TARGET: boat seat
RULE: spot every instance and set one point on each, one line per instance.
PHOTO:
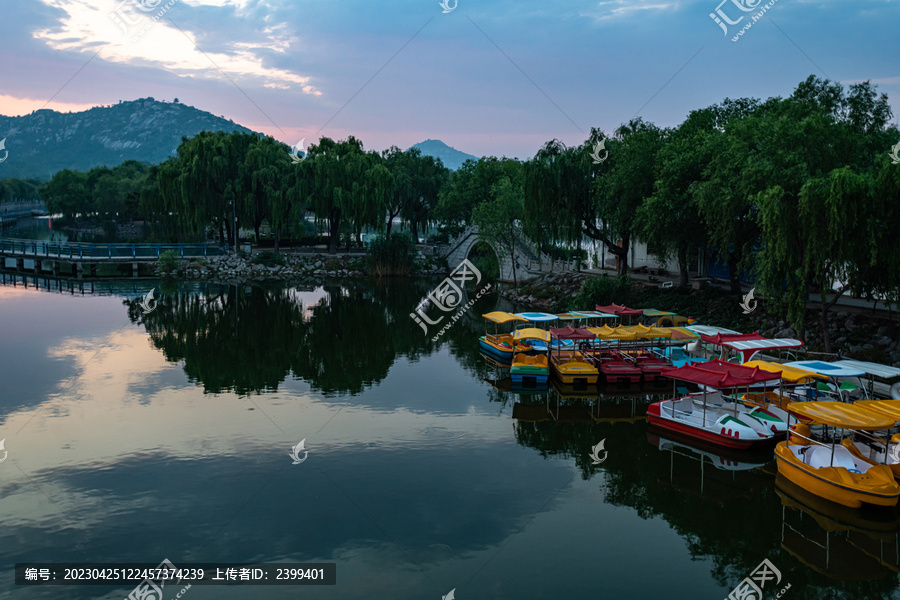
(819, 457)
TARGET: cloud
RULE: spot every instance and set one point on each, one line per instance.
(612, 9)
(122, 32)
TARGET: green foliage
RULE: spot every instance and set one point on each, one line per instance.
(497, 217)
(168, 261)
(603, 290)
(268, 259)
(471, 185)
(485, 260)
(392, 255)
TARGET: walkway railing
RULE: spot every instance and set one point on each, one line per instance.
(36, 248)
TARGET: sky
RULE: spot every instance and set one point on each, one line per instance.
(486, 77)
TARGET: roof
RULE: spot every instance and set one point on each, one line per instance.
(720, 374)
(622, 311)
(568, 316)
(828, 369)
(710, 330)
(571, 333)
(878, 370)
(503, 317)
(531, 333)
(610, 333)
(841, 414)
(889, 408)
(652, 312)
(723, 339)
(682, 334)
(593, 314)
(537, 317)
(792, 374)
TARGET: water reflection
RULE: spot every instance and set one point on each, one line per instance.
(166, 435)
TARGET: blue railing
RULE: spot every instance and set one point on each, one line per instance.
(107, 251)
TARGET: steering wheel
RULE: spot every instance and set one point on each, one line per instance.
(584, 346)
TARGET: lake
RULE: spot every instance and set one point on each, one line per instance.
(137, 437)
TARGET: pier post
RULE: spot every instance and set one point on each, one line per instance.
(20, 264)
(79, 270)
(134, 269)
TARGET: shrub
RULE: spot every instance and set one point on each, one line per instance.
(603, 290)
(168, 261)
(268, 259)
(392, 256)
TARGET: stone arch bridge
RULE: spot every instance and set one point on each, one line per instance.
(530, 262)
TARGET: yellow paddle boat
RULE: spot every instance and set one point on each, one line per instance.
(877, 450)
(569, 364)
(499, 345)
(828, 468)
(529, 367)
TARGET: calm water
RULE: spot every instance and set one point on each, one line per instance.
(134, 438)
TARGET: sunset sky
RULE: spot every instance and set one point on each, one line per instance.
(489, 78)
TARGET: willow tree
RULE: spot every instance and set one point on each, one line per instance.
(260, 182)
(331, 182)
(670, 217)
(200, 184)
(497, 219)
(471, 184)
(569, 194)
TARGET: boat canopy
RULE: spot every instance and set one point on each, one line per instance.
(875, 369)
(720, 374)
(828, 369)
(841, 414)
(571, 333)
(748, 344)
(889, 408)
(593, 314)
(503, 317)
(635, 332)
(646, 332)
(622, 311)
(791, 374)
(531, 333)
(652, 312)
(711, 330)
(569, 317)
(682, 334)
(537, 317)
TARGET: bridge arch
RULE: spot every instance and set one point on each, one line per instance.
(528, 265)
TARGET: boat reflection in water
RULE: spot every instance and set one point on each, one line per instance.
(839, 542)
(728, 478)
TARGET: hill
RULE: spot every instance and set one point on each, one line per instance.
(147, 130)
(451, 157)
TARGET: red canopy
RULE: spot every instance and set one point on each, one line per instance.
(570, 333)
(720, 374)
(721, 339)
(622, 311)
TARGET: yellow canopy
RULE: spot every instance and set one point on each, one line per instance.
(888, 408)
(682, 334)
(635, 332)
(643, 332)
(503, 317)
(839, 414)
(609, 333)
(532, 333)
(792, 374)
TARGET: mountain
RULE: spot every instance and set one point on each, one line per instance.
(47, 141)
(451, 157)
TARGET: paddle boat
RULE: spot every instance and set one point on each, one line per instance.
(828, 468)
(884, 381)
(840, 384)
(746, 345)
(794, 386)
(612, 365)
(712, 417)
(538, 320)
(530, 367)
(570, 365)
(499, 345)
(874, 449)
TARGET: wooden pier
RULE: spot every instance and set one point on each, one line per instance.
(78, 260)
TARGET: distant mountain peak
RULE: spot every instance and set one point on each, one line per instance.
(450, 156)
(144, 129)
